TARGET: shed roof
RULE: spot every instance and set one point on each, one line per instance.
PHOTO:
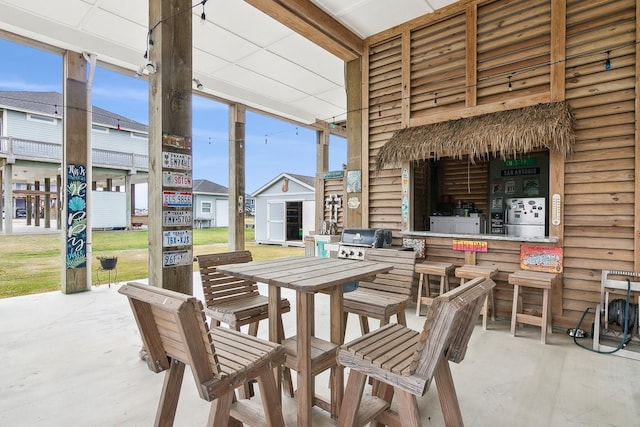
(305, 181)
(51, 104)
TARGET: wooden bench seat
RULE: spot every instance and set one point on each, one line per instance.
(387, 294)
(175, 333)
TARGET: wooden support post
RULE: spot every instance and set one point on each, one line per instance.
(8, 197)
(29, 202)
(58, 202)
(170, 150)
(47, 203)
(237, 121)
(76, 169)
(355, 162)
(322, 166)
(128, 199)
(36, 205)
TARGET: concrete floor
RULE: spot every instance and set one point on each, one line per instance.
(72, 360)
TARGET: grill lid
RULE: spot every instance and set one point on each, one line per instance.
(369, 237)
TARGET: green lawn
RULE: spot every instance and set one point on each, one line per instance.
(33, 263)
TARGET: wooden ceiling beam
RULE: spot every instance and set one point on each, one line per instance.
(310, 21)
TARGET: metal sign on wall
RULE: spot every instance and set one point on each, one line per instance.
(172, 238)
(177, 199)
(177, 219)
(176, 258)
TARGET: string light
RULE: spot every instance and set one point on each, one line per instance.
(118, 127)
(265, 138)
(333, 123)
(203, 17)
(607, 63)
(509, 87)
(435, 98)
(55, 109)
(379, 111)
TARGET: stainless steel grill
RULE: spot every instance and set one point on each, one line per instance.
(355, 241)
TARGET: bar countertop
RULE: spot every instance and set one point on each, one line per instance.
(503, 237)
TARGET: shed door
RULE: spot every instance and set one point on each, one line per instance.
(222, 213)
(275, 221)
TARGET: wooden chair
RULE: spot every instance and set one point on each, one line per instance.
(232, 300)
(387, 294)
(235, 301)
(175, 333)
(404, 361)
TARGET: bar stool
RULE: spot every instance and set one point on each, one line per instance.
(471, 272)
(537, 280)
(442, 269)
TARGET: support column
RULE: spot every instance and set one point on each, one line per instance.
(127, 197)
(36, 205)
(58, 202)
(47, 203)
(322, 166)
(76, 170)
(29, 202)
(108, 185)
(237, 120)
(170, 149)
(355, 163)
(7, 174)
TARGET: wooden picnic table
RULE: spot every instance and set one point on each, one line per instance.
(307, 276)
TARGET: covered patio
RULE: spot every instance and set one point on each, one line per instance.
(72, 360)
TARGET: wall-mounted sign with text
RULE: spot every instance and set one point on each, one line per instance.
(177, 199)
(470, 245)
(176, 258)
(176, 179)
(177, 218)
(176, 161)
(173, 238)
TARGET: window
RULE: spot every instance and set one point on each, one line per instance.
(205, 207)
(101, 129)
(42, 119)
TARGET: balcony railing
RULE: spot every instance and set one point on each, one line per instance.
(24, 149)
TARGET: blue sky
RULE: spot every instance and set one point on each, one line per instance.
(287, 149)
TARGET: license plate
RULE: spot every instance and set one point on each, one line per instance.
(175, 258)
(176, 160)
(177, 218)
(176, 238)
(176, 179)
(177, 199)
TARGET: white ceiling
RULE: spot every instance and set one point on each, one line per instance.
(239, 54)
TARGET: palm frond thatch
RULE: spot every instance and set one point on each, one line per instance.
(505, 134)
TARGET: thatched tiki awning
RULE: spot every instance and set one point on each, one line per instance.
(505, 134)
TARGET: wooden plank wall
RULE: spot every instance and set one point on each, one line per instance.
(384, 118)
(458, 62)
(599, 177)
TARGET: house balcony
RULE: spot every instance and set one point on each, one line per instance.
(38, 160)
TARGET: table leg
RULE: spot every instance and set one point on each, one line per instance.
(275, 335)
(337, 334)
(306, 392)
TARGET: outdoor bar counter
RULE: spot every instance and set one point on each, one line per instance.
(496, 250)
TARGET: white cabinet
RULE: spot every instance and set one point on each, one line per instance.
(457, 225)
